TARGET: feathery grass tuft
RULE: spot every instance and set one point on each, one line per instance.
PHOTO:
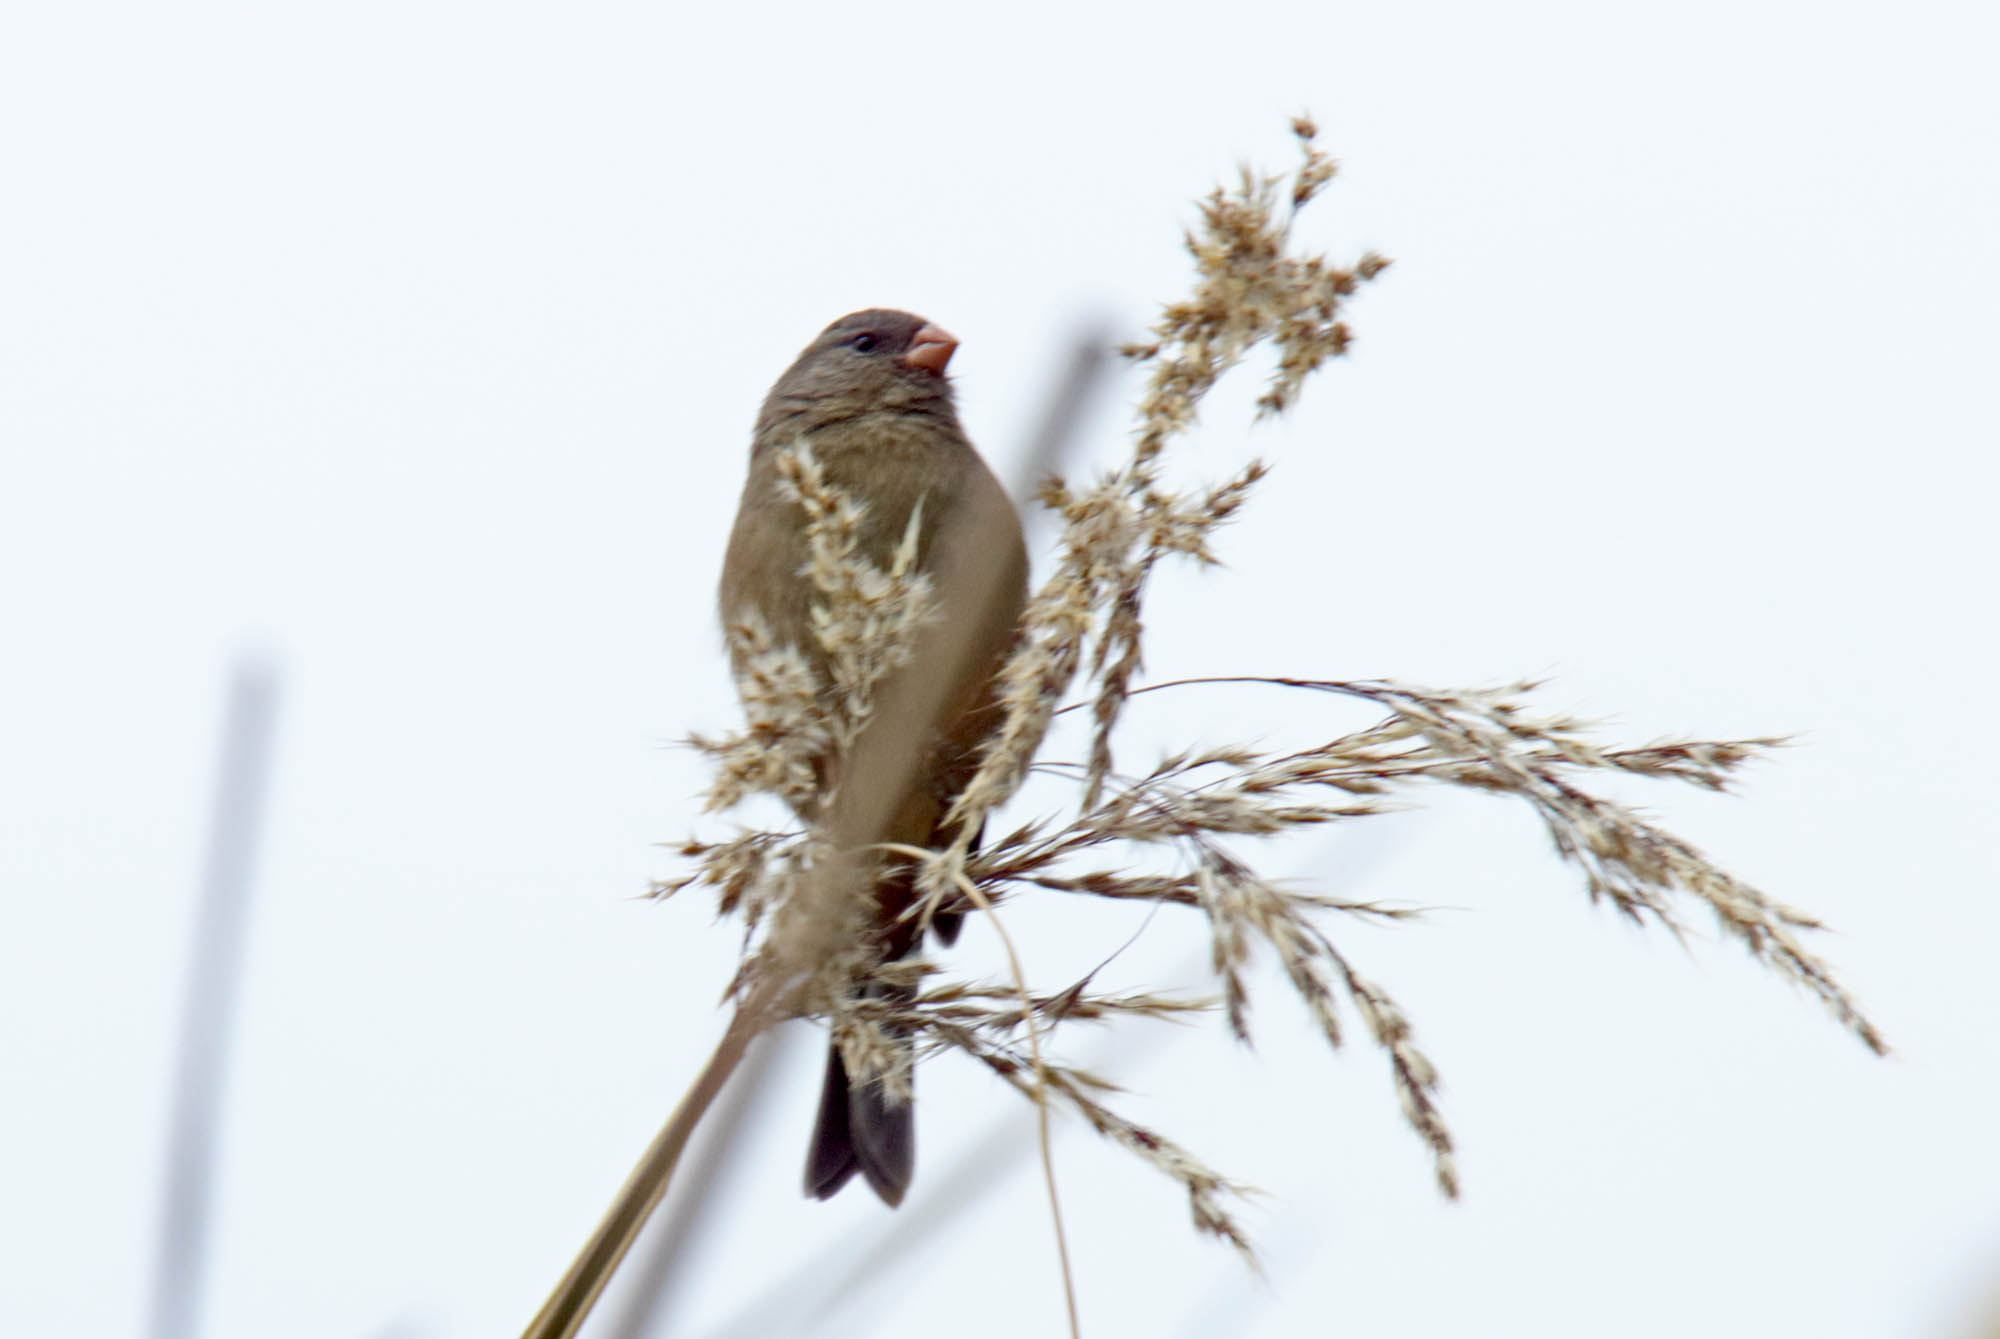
(1081, 649)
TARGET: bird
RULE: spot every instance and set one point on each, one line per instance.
(869, 396)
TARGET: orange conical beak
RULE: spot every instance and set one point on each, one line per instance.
(931, 349)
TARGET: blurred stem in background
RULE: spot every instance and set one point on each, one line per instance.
(214, 979)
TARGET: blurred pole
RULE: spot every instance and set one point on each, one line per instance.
(214, 973)
(1053, 440)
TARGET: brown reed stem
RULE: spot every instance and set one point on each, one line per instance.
(576, 1293)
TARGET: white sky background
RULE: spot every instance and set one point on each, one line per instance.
(420, 343)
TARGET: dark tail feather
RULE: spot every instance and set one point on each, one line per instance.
(864, 1131)
(884, 1140)
(860, 1131)
(946, 925)
(830, 1160)
(949, 921)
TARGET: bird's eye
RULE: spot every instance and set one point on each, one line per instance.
(861, 343)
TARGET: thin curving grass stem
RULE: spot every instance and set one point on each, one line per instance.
(574, 1295)
(978, 899)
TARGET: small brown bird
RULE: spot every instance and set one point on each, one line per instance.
(870, 397)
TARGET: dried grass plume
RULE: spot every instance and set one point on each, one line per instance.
(1192, 814)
